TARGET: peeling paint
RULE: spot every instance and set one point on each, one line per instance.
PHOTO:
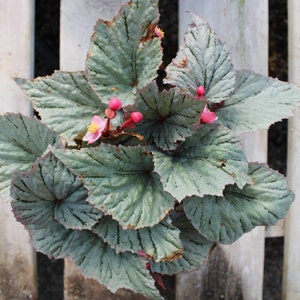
(16, 282)
(77, 287)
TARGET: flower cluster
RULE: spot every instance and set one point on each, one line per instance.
(99, 126)
(207, 116)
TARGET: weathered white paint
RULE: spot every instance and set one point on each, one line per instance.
(17, 259)
(235, 270)
(77, 21)
(291, 276)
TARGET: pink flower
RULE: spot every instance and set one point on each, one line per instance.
(208, 116)
(159, 33)
(95, 129)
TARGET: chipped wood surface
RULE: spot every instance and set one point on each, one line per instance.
(233, 271)
(17, 258)
(291, 276)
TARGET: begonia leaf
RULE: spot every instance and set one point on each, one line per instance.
(202, 60)
(49, 187)
(224, 219)
(22, 141)
(196, 248)
(257, 102)
(125, 53)
(121, 182)
(65, 101)
(92, 256)
(169, 116)
(99, 261)
(204, 164)
(160, 242)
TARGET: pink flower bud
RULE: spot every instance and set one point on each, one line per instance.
(115, 103)
(159, 33)
(208, 116)
(142, 254)
(200, 92)
(110, 113)
(136, 116)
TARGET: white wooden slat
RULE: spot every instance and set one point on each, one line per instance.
(291, 276)
(17, 258)
(233, 271)
(78, 18)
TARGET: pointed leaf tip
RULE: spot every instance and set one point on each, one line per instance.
(202, 60)
(22, 140)
(125, 54)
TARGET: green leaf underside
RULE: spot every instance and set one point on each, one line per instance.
(169, 117)
(65, 101)
(125, 270)
(204, 164)
(124, 53)
(50, 188)
(121, 183)
(257, 102)
(196, 248)
(202, 60)
(225, 219)
(22, 141)
(160, 242)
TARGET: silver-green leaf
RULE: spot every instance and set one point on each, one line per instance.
(196, 248)
(160, 242)
(224, 219)
(65, 101)
(213, 152)
(50, 186)
(169, 117)
(22, 141)
(202, 60)
(257, 102)
(121, 182)
(99, 261)
(125, 53)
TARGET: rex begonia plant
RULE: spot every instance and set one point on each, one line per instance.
(132, 179)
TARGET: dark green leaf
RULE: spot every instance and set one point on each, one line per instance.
(169, 117)
(224, 219)
(50, 188)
